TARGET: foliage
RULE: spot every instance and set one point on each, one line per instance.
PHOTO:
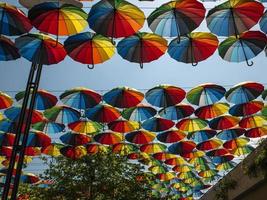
(223, 187)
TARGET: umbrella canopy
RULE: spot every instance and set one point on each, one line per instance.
(93, 148)
(153, 148)
(245, 109)
(38, 139)
(225, 166)
(75, 139)
(123, 97)
(6, 139)
(243, 47)
(73, 152)
(247, 149)
(263, 23)
(191, 124)
(193, 47)
(222, 159)
(52, 150)
(235, 143)
(108, 138)
(193, 154)
(8, 126)
(264, 94)
(176, 18)
(175, 161)
(48, 126)
(171, 136)
(85, 126)
(162, 156)
(140, 137)
(124, 148)
(80, 98)
(182, 147)
(142, 47)
(177, 111)
(244, 92)
(166, 176)
(115, 19)
(209, 144)
(89, 48)
(5, 100)
(157, 169)
(202, 135)
(212, 111)
(13, 20)
(165, 95)
(205, 94)
(44, 100)
(256, 132)
(234, 17)
(8, 50)
(157, 124)
(252, 121)
(40, 48)
(230, 134)
(29, 178)
(218, 152)
(139, 113)
(123, 126)
(223, 122)
(264, 111)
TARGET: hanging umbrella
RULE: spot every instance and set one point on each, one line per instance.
(1, 117)
(85, 126)
(182, 147)
(157, 169)
(245, 109)
(123, 97)
(8, 126)
(123, 126)
(218, 152)
(115, 19)
(182, 168)
(5, 151)
(93, 148)
(6, 139)
(162, 156)
(202, 135)
(177, 111)
(5, 101)
(89, 48)
(171, 136)
(244, 92)
(38, 139)
(212, 111)
(139, 113)
(240, 151)
(157, 124)
(57, 19)
(124, 148)
(8, 51)
(73, 152)
(13, 21)
(52, 150)
(223, 122)
(243, 47)
(225, 166)
(230, 134)
(165, 95)
(208, 173)
(193, 47)
(29, 178)
(235, 143)
(176, 18)
(108, 138)
(80, 98)
(153, 148)
(264, 93)
(62, 114)
(191, 124)
(193, 154)
(264, 111)
(75, 139)
(44, 100)
(222, 159)
(209, 145)
(256, 132)
(140, 137)
(142, 47)
(234, 17)
(175, 161)
(263, 22)
(103, 113)
(48, 126)
(252, 121)
(205, 94)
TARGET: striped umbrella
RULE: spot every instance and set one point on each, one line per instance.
(212, 111)
(171, 136)
(93, 148)
(222, 159)
(52, 150)
(166, 176)
(209, 144)
(157, 124)
(177, 111)
(85, 126)
(235, 143)
(202, 135)
(218, 152)
(48, 126)
(245, 109)
(38, 139)
(162, 156)
(153, 148)
(230, 134)
(175, 161)
(193, 154)
(108, 138)
(124, 148)
(182, 147)
(191, 124)
(264, 111)
(6, 139)
(123, 126)
(5, 101)
(225, 166)
(256, 132)
(263, 22)
(264, 94)
(244, 150)
(140, 137)
(252, 121)
(75, 139)
(8, 50)
(73, 152)
(139, 113)
(223, 122)
(8, 126)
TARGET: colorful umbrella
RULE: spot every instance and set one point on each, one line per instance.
(142, 47)
(6, 139)
(139, 113)
(212, 111)
(73, 152)
(264, 93)
(171, 136)
(13, 20)
(264, 111)
(252, 121)
(223, 122)
(140, 137)
(157, 169)
(208, 173)
(52, 150)
(244, 92)
(230, 134)
(89, 48)
(48, 126)
(5, 151)
(108, 138)
(182, 168)
(124, 148)
(235, 143)
(153, 148)
(80, 98)
(193, 154)
(263, 22)
(162, 156)
(103, 113)
(193, 47)
(8, 126)
(5, 101)
(8, 51)
(234, 17)
(123, 126)
(157, 124)
(218, 152)
(202, 135)
(165, 95)
(44, 100)
(176, 18)
(38, 139)
(175, 161)
(182, 147)
(247, 149)
(225, 166)
(166, 176)
(95, 148)
(115, 19)
(191, 124)
(243, 47)
(209, 145)
(85, 126)
(222, 159)
(75, 139)
(177, 111)
(245, 109)
(256, 132)
(29, 178)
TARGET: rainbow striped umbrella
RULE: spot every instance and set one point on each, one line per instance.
(202, 135)
(123, 97)
(153, 148)
(191, 124)
(85, 126)
(157, 124)
(140, 137)
(157, 169)
(93, 148)
(171, 136)
(162, 156)
(124, 148)
(123, 126)
(209, 145)
(256, 132)
(177, 111)
(75, 139)
(8, 126)
(182, 147)
(208, 173)
(244, 150)
(5, 151)
(6, 139)
(245, 109)
(175, 161)
(193, 154)
(225, 166)
(252, 121)
(139, 113)
(48, 126)
(109, 138)
(166, 176)
(235, 143)
(218, 152)
(5, 101)
(29, 178)
(223, 122)
(52, 150)
(212, 111)
(182, 168)
(222, 159)
(8, 50)
(38, 139)
(73, 152)
(230, 134)
(263, 22)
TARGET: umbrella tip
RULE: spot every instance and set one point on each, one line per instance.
(194, 64)
(141, 65)
(249, 64)
(91, 67)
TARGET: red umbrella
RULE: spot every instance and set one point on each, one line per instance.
(245, 109)
(162, 156)
(235, 143)
(108, 138)
(182, 147)
(256, 132)
(123, 126)
(218, 152)
(212, 111)
(73, 152)
(252, 121)
(223, 122)
(171, 136)
(140, 137)
(209, 144)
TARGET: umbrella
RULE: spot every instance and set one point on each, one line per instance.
(62, 114)
(89, 48)
(264, 111)
(222, 159)
(182, 147)
(6, 139)
(234, 17)
(48, 126)
(205, 94)
(5, 151)
(244, 92)
(193, 154)
(264, 94)
(123, 97)
(171, 136)
(13, 20)
(51, 17)
(29, 178)
(73, 152)
(218, 152)
(209, 144)
(93, 148)
(225, 166)
(80, 98)
(85, 126)
(38, 139)
(212, 111)
(162, 156)
(75, 139)
(191, 124)
(108, 138)
(142, 47)
(5, 101)
(230, 134)
(176, 18)
(244, 150)
(177, 111)
(124, 148)
(157, 124)
(165, 95)
(123, 126)
(139, 113)
(8, 51)
(175, 161)
(256, 132)
(263, 23)
(252, 121)
(235, 143)
(201, 135)
(182, 168)
(166, 176)
(208, 173)
(103, 113)
(140, 137)
(243, 47)
(245, 109)
(223, 122)
(115, 19)
(52, 150)
(157, 169)
(44, 100)
(153, 148)
(8, 126)
(193, 47)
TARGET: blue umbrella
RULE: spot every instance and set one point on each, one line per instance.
(8, 51)
(157, 124)
(139, 113)
(176, 112)
(263, 23)
(202, 135)
(230, 134)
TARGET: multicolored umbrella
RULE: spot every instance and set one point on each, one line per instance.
(52, 150)
(73, 152)
(230, 134)
(245, 109)
(8, 51)
(89, 48)
(44, 100)
(193, 154)
(38, 139)
(123, 97)
(193, 47)
(142, 47)
(13, 20)
(234, 17)
(218, 152)
(244, 150)
(202, 135)
(222, 159)
(165, 95)
(6, 139)
(225, 166)
(176, 18)
(85, 126)
(243, 47)
(212, 111)
(171, 136)
(48, 126)
(140, 137)
(209, 144)
(263, 22)
(166, 176)
(123, 126)
(115, 19)
(29, 178)
(264, 111)
(157, 124)
(182, 147)
(182, 168)
(108, 138)
(235, 143)
(5, 100)
(162, 156)
(153, 148)
(264, 94)
(80, 98)
(75, 139)
(177, 111)
(139, 113)
(191, 124)
(223, 122)
(252, 121)
(205, 94)
(93, 148)
(103, 113)
(256, 132)
(175, 161)
(124, 148)
(244, 92)
(157, 169)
